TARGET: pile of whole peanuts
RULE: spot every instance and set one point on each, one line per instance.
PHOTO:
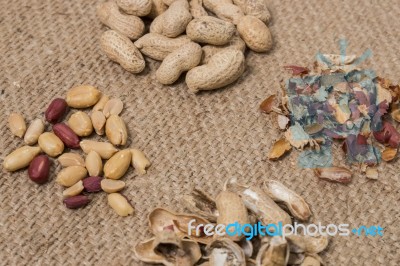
(79, 175)
(205, 38)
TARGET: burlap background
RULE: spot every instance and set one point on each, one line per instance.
(49, 46)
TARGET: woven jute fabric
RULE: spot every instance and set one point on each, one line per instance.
(199, 140)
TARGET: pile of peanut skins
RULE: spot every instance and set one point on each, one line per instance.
(80, 177)
(207, 39)
(337, 103)
(185, 239)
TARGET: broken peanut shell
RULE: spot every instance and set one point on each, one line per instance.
(295, 203)
(334, 174)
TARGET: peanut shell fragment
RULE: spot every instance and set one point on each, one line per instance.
(334, 174)
(120, 204)
(231, 209)
(20, 158)
(279, 148)
(295, 203)
(17, 124)
(389, 154)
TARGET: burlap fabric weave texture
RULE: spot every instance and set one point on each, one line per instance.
(193, 140)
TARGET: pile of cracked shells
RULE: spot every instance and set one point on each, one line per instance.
(271, 203)
(207, 39)
(80, 177)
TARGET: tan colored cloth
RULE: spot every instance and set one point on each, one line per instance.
(192, 140)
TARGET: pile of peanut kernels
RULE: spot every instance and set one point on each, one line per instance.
(104, 118)
(206, 38)
(184, 239)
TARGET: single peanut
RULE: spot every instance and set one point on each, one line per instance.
(17, 125)
(56, 110)
(67, 136)
(129, 25)
(225, 10)
(121, 50)
(104, 149)
(182, 59)
(157, 46)
(196, 8)
(93, 163)
(210, 50)
(255, 34)
(176, 18)
(157, 8)
(83, 96)
(256, 8)
(118, 164)
(71, 159)
(98, 122)
(39, 169)
(81, 124)
(210, 30)
(111, 186)
(223, 68)
(116, 130)
(120, 204)
(92, 183)
(69, 176)
(113, 107)
(20, 158)
(51, 144)
(73, 190)
(140, 161)
(33, 132)
(75, 202)
(99, 106)
(135, 7)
